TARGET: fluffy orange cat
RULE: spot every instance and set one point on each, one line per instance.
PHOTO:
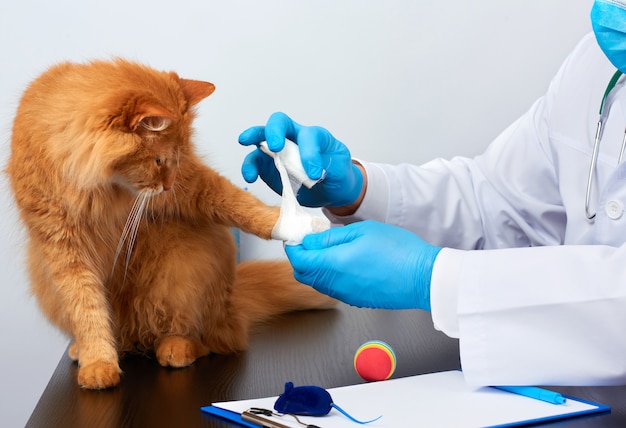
(129, 246)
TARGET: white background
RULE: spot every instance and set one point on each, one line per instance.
(396, 80)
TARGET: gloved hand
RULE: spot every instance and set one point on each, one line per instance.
(367, 264)
(323, 158)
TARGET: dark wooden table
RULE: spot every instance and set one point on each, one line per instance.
(308, 348)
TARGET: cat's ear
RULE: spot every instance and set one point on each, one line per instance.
(196, 90)
(149, 111)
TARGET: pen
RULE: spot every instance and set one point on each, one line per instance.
(536, 393)
(261, 421)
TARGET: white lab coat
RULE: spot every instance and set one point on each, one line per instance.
(544, 300)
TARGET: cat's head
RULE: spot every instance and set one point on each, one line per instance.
(125, 123)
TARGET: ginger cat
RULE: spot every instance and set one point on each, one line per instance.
(129, 246)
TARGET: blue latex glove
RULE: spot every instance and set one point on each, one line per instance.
(323, 157)
(367, 264)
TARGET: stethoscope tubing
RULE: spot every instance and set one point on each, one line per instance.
(605, 107)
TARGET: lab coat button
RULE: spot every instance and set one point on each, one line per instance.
(614, 210)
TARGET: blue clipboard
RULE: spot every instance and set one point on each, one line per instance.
(439, 393)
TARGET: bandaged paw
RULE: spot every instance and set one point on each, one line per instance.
(294, 222)
(293, 228)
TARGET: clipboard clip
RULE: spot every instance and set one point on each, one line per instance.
(260, 411)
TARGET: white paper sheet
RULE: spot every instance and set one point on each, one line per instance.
(433, 400)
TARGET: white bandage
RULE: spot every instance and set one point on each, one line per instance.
(294, 222)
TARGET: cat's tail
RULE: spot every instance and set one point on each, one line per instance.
(264, 289)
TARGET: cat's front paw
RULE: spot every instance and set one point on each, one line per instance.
(178, 351)
(99, 375)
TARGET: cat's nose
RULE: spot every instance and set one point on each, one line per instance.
(168, 178)
(167, 172)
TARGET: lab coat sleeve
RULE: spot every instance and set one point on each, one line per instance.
(506, 197)
(542, 316)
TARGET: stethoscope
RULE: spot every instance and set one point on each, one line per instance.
(605, 107)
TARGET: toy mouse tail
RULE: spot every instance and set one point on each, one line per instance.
(347, 415)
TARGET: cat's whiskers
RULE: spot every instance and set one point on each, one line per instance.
(151, 210)
(131, 227)
(144, 206)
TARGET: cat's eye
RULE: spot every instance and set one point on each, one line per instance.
(155, 123)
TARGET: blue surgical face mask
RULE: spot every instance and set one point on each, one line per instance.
(608, 19)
